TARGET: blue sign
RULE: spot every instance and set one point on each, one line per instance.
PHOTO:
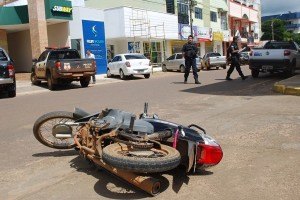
(94, 40)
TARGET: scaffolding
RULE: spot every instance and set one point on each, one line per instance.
(141, 30)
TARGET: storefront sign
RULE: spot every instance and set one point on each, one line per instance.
(218, 36)
(185, 30)
(94, 40)
(134, 47)
(62, 9)
(204, 34)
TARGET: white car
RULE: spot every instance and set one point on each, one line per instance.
(129, 64)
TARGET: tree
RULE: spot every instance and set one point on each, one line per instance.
(278, 29)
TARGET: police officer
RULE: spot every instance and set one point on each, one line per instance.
(235, 57)
(189, 51)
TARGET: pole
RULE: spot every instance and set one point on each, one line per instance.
(272, 24)
(191, 5)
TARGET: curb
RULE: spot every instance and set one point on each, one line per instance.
(288, 90)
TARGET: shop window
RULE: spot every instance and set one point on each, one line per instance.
(213, 16)
(198, 13)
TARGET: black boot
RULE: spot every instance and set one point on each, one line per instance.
(185, 81)
(197, 82)
(228, 78)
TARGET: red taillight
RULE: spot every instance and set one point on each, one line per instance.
(127, 64)
(287, 52)
(58, 65)
(209, 155)
(11, 71)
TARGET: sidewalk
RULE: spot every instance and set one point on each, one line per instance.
(290, 86)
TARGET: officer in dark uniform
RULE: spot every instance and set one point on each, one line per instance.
(189, 51)
(235, 57)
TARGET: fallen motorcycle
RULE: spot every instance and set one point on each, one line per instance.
(128, 147)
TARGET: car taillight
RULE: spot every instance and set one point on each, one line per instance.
(11, 71)
(209, 154)
(127, 64)
(287, 52)
(58, 65)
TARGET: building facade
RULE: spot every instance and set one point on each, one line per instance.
(292, 20)
(244, 20)
(29, 26)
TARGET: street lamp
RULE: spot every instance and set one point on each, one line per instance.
(272, 25)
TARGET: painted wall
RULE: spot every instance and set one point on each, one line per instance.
(19, 47)
(154, 5)
(3, 40)
(61, 39)
(128, 22)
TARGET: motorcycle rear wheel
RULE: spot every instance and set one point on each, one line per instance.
(43, 130)
(118, 155)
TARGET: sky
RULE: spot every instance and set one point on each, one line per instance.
(273, 7)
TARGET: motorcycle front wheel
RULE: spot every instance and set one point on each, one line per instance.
(44, 126)
(148, 161)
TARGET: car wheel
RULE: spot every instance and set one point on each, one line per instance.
(85, 81)
(147, 75)
(291, 70)
(224, 66)
(182, 69)
(108, 74)
(51, 85)
(122, 75)
(207, 67)
(217, 68)
(33, 79)
(12, 93)
(164, 68)
(254, 73)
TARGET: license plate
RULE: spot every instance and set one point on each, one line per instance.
(267, 67)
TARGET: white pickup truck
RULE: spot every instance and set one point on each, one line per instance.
(213, 60)
(275, 56)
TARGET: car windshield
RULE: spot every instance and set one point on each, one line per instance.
(56, 55)
(279, 45)
(134, 56)
(2, 56)
(214, 54)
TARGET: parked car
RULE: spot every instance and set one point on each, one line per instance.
(129, 64)
(7, 74)
(62, 65)
(275, 56)
(213, 60)
(176, 62)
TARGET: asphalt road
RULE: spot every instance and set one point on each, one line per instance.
(258, 130)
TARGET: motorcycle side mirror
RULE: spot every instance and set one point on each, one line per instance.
(155, 116)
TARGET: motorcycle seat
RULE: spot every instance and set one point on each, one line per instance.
(121, 118)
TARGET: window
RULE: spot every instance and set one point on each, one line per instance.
(56, 55)
(213, 16)
(198, 13)
(116, 59)
(170, 6)
(183, 13)
(171, 57)
(134, 56)
(179, 56)
(43, 56)
(2, 56)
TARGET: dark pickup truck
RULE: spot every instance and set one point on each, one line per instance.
(62, 65)
(7, 74)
